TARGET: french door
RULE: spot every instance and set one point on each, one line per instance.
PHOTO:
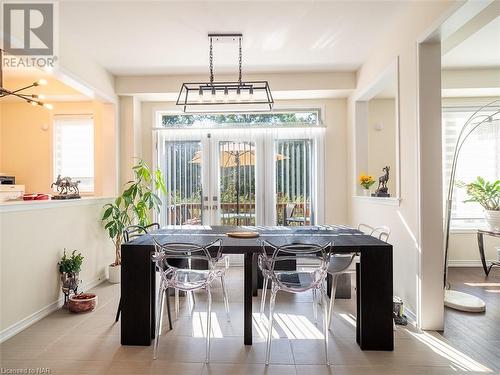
(239, 177)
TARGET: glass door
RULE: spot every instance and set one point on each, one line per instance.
(294, 176)
(234, 175)
(181, 159)
(241, 177)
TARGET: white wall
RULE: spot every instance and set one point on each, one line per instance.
(403, 219)
(464, 252)
(280, 83)
(32, 239)
(382, 143)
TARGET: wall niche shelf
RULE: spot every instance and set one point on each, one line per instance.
(390, 201)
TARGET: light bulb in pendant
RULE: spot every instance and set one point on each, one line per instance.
(220, 95)
(214, 95)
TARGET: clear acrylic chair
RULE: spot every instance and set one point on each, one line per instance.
(340, 264)
(297, 281)
(263, 264)
(166, 257)
(382, 233)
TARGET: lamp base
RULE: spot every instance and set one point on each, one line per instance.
(463, 301)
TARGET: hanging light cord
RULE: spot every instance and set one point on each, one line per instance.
(240, 63)
(211, 60)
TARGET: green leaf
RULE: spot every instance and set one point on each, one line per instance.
(107, 213)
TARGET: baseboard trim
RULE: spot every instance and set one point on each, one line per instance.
(410, 316)
(465, 263)
(21, 325)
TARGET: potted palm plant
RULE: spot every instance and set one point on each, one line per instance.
(133, 206)
(487, 194)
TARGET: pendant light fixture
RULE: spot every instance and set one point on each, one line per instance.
(235, 96)
(33, 99)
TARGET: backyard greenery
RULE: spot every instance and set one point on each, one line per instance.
(297, 118)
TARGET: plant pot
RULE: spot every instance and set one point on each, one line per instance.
(492, 219)
(84, 302)
(114, 273)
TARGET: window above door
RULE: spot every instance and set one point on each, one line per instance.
(297, 118)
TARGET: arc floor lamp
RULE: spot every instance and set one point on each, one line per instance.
(488, 115)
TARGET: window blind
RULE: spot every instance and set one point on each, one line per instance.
(479, 156)
(74, 149)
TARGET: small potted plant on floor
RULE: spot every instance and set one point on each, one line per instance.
(133, 206)
(487, 194)
(69, 268)
(366, 181)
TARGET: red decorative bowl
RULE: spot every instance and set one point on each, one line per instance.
(35, 197)
(83, 302)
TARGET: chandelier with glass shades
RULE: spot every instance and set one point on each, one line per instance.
(33, 99)
(232, 96)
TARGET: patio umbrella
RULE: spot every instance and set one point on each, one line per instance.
(236, 154)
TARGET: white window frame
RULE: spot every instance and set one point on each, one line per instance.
(55, 173)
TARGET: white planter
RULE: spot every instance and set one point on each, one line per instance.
(114, 274)
(492, 219)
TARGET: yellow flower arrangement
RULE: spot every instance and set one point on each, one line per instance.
(366, 181)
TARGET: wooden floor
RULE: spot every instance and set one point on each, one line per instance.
(477, 334)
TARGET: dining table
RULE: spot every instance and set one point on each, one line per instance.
(374, 275)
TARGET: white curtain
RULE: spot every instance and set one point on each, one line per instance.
(191, 160)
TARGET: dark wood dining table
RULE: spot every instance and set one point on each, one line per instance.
(374, 293)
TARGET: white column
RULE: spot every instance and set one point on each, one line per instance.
(430, 282)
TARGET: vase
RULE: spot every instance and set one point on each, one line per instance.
(492, 219)
(366, 192)
(114, 273)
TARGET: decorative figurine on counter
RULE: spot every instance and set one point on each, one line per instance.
(382, 184)
(66, 188)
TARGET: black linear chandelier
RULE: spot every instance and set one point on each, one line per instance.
(225, 96)
(33, 99)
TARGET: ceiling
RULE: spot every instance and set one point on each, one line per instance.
(54, 91)
(480, 50)
(133, 38)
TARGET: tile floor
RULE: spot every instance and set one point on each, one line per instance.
(65, 343)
